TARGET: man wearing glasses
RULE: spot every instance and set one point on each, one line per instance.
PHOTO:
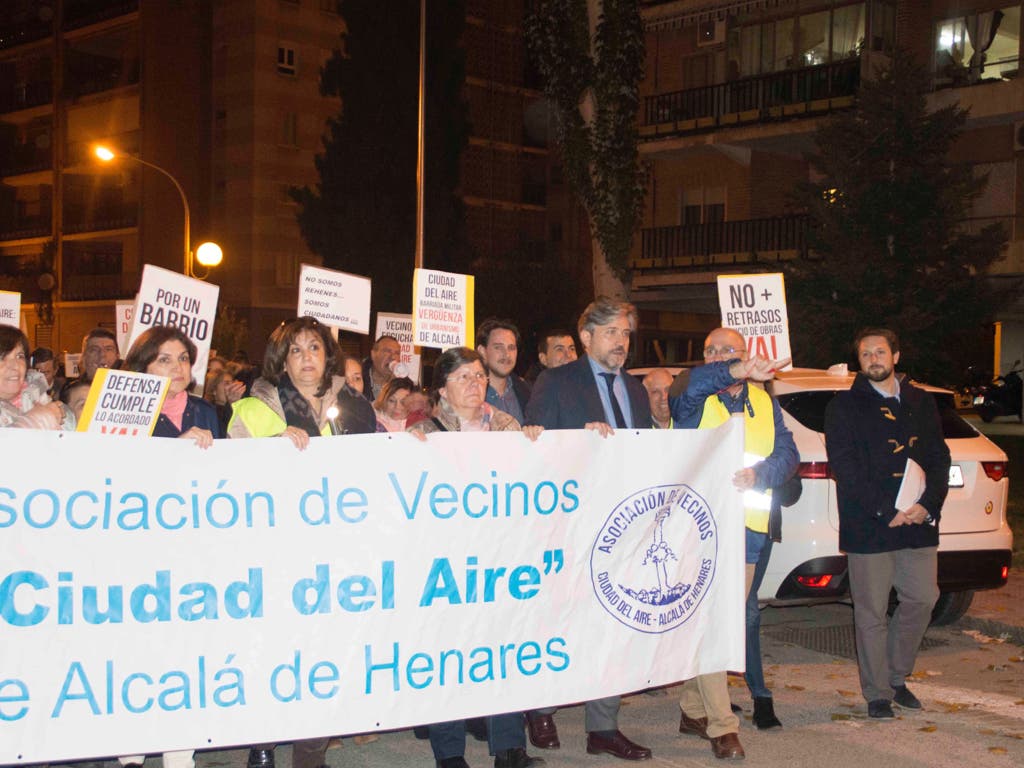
(716, 391)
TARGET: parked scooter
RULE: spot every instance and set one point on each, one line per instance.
(1002, 397)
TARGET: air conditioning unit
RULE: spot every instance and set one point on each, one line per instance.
(711, 32)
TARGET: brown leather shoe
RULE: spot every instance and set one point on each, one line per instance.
(698, 726)
(728, 747)
(614, 743)
(543, 731)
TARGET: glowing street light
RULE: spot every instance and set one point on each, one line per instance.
(207, 254)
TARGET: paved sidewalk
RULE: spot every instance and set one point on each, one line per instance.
(1000, 612)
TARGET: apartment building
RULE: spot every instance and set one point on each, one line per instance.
(732, 96)
(221, 94)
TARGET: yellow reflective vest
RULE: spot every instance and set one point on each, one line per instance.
(758, 446)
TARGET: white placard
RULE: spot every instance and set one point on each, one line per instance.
(123, 313)
(442, 309)
(10, 308)
(337, 299)
(400, 327)
(170, 298)
(123, 403)
(158, 597)
(755, 305)
(72, 365)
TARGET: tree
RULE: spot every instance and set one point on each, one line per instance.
(590, 54)
(361, 216)
(887, 245)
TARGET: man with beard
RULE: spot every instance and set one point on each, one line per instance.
(881, 434)
(498, 344)
(593, 392)
(556, 347)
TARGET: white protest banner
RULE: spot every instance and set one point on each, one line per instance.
(337, 299)
(123, 403)
(755, 305)
(72, 361)
(170, 298)
(158, 597)
(400, 327)
(10, 308)
(442, 309)
(123, 313)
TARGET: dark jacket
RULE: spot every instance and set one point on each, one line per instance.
(869, 438)
(520, 388)
(777, 471)
(198, 413)
(567, 398)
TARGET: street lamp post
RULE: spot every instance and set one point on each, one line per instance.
(208, 254)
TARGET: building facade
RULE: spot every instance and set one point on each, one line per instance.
(732, 96)
(221, 95)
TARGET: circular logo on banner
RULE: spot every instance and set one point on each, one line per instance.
(654, 558)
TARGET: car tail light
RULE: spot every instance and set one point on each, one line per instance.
(818, 582)
(1005, 573)
(996, 470)
(814, 470)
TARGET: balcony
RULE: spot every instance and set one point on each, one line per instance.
(721, 242)
(27, 29)
(108, 216)
(92, 288)
(26, 226)
(81, 13)
(781, 95)
(25, 96)
(95, 75)
(92, 272)
(25, 158)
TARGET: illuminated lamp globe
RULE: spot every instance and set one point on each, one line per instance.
(209, 254)
(104, 154)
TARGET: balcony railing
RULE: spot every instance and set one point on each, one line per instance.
(100, 218)
(721, 242)
(25, 96)
(752, 99)
(75, 287)
(25, 158)
(80, 13)
(25, 31)
(26, 226)
(99, 77)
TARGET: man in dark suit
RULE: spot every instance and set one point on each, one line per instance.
(593, 393)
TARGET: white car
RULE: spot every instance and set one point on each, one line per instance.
(975, 541)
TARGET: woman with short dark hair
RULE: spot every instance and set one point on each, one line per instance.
(300, 393)
(166, 351)
(460, 384)
(300, 396)
(24, 398)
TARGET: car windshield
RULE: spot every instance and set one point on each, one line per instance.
(809, 409)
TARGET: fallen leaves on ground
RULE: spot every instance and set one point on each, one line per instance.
(997, 750)
(795, 687)
(845, 693)
(928, 729)
(951, 706)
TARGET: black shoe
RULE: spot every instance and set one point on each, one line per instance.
(904, 698)
(880, 709)
(764, 713)
(515, 758)
(477, 728)
(453, 762)
(735, 708)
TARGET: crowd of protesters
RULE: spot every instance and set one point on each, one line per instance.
(306, 388)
